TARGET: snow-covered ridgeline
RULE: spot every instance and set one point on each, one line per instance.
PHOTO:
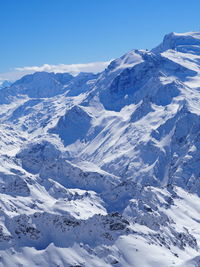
(103, 169)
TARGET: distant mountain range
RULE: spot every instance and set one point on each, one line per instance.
(4, 84)
(104, 169)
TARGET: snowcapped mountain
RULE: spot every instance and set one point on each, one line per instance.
(104, 169)
(5, 83)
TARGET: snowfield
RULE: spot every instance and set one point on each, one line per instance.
(103, 169)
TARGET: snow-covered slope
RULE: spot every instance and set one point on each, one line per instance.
(103, 169)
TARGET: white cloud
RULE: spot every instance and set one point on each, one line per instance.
(74, 69)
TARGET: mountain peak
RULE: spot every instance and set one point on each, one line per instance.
(103, 169)
(5, 83)
(182, 42)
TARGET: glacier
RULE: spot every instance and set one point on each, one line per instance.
(104, 169)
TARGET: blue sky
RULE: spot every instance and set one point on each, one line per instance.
(37, 32)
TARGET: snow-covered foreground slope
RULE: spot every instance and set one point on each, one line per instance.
(103, 169)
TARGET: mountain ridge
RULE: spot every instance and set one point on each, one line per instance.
(103, 169)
